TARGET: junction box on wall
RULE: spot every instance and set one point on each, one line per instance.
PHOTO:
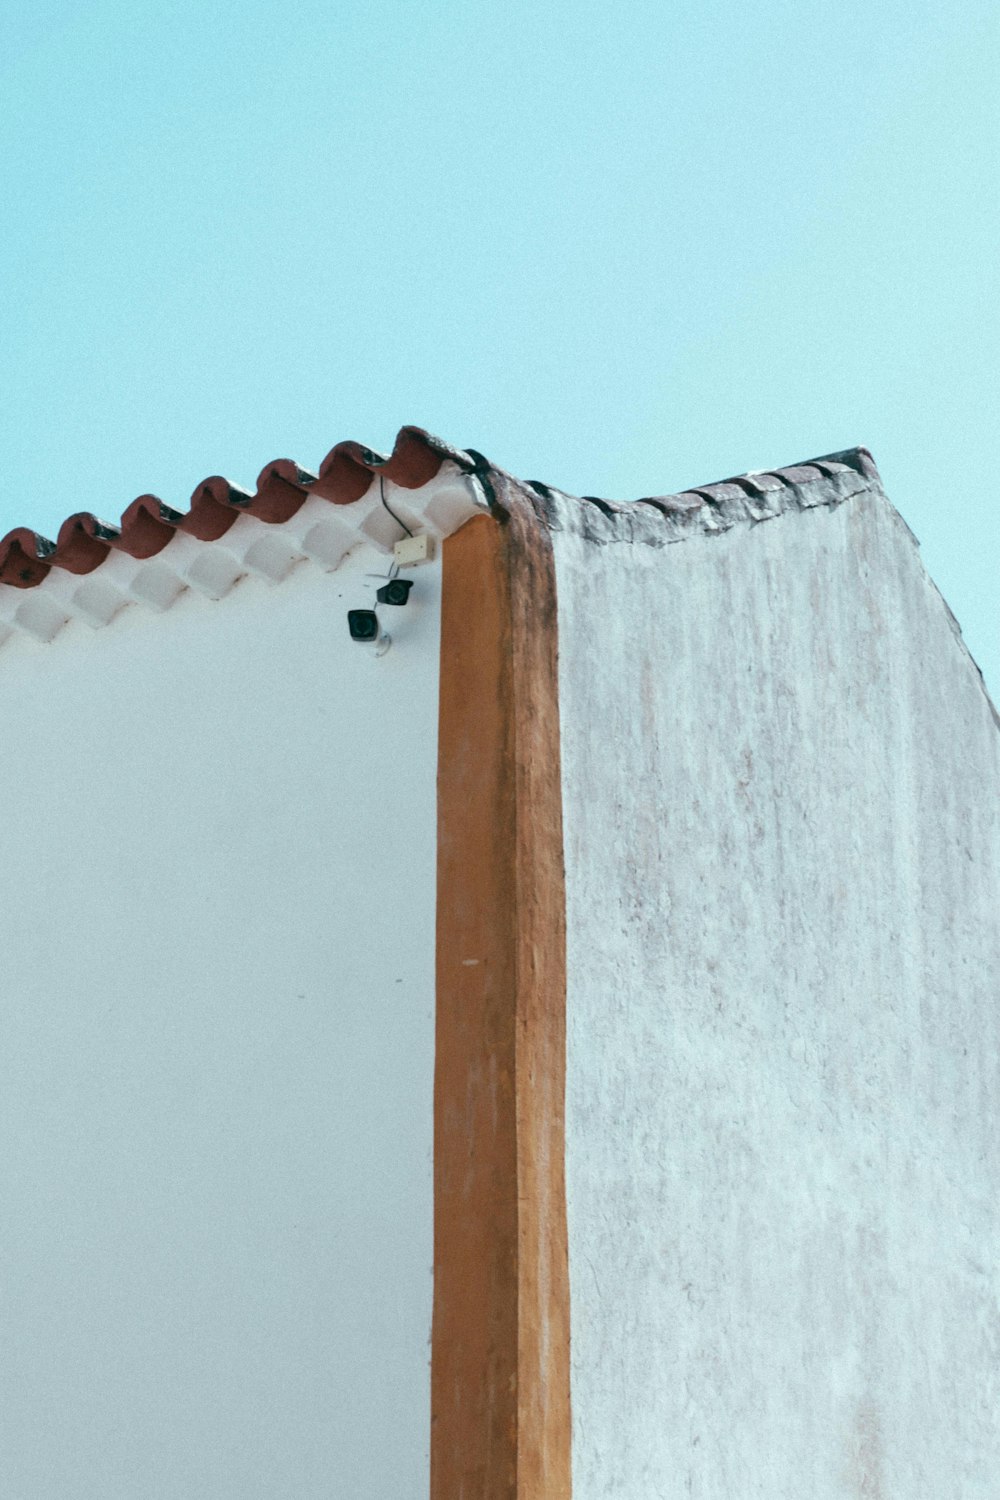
(413, 550)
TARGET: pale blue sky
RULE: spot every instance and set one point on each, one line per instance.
(621, 249)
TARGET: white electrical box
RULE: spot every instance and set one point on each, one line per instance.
(413, 550)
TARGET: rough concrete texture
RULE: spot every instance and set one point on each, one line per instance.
(781, 783)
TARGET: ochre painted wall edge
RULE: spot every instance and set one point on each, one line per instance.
(500, 1397)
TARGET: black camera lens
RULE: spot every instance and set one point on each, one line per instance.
(396, 592)
(363, 624)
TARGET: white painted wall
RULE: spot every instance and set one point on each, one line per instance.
(217, 932)
(782, 805)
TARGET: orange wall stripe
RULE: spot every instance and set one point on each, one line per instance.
(500, 1346)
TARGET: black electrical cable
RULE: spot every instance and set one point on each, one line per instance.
(398, 519)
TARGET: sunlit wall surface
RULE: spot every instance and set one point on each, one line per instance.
(216, 920)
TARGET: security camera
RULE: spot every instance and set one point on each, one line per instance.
(363, 624)
(396, 591)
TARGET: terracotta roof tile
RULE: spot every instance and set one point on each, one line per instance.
(147, 525)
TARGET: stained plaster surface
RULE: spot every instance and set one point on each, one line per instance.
(217, 928)
(781, 781)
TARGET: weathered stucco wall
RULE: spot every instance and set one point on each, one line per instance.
(782, 808)
(216, 1077)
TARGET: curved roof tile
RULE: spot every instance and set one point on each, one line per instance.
(147, 525)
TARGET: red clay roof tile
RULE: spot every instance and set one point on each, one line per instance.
(147, 525)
